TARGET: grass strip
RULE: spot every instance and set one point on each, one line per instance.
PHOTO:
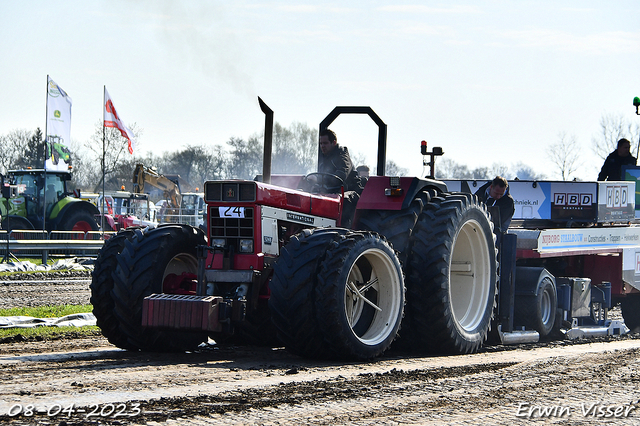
(10, 335)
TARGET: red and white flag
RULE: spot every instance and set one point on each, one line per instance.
(112, 119)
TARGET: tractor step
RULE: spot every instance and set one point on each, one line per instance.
(181, 311)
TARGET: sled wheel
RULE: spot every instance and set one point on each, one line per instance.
(292, 290)
(159, 260)
(452, 274)
(360, 296)
(631, 312)
(542, 312)
(102, 284)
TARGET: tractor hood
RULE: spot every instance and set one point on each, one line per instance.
(251, 192)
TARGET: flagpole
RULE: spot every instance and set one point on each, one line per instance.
(44, 164)
(104, 101)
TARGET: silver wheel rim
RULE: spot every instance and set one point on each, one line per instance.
(545, 308)
(372, 307)
(470, 276)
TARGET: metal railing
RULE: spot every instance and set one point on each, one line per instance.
(29, 243)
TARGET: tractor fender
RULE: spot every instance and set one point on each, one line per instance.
(66, 206)
(421, 185)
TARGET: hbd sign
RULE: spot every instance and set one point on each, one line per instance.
(569, 199)
(617, 196)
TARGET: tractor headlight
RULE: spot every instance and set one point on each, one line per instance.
(218, 242)
(246, 246)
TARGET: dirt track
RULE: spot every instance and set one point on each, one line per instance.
(561, 382)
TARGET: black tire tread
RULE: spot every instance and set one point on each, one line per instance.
(292, 290)
(339, 342)
(102, 284)
(139, 274)
(430, 321)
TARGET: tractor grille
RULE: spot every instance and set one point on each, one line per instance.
(231, 229)
(230, 191)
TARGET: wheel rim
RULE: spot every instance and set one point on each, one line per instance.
(470, 276)
(178, 277)
(81, 226)
(373, 296)
(545, 307)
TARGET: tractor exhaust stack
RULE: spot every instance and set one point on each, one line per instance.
(268, 139)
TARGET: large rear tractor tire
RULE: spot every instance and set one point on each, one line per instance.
(452, 276)
(102, 284)
(78, 220)
(292, 291)
(160, 260)
(359, 297)
(395, 225)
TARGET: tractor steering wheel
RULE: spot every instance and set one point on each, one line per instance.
(321, 183)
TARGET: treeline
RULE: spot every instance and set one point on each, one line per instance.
(295, 150)
(447, 168)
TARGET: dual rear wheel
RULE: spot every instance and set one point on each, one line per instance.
(337, 294)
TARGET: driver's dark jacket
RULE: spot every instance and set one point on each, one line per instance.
(338, 162)
(612, 167)
(506, 204)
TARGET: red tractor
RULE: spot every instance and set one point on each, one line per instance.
(275, 262)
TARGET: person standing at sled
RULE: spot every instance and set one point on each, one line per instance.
(335, 160)
(496, 193)
(612, 167)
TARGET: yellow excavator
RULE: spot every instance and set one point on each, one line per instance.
(143, 176)
(182, 207)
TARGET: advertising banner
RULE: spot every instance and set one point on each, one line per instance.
(58, 138)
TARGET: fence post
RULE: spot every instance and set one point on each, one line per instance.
(45, 253)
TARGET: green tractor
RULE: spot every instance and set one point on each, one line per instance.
(24, 201)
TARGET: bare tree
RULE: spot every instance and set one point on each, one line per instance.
(392, 169)
(565, 155)
(500, 169)
(612, 129)
(115, 150)
(12, 146)
(447, 168)
(525, 172)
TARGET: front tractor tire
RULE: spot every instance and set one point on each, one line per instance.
(360, 296)
(452, 276)
(337, 294)
(292, 287)
(102, 285)
(160, 260)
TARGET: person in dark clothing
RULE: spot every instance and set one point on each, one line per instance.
(612, 167)
(335, 160)
(496, 193)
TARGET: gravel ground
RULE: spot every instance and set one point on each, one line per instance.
(587, 382)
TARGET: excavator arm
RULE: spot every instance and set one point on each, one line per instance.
(143, 175)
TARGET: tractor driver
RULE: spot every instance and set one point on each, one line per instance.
(335, 160)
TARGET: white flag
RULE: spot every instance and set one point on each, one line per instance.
(57, 155)
(112, 119)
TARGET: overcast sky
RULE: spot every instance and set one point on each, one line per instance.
(488, 81)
